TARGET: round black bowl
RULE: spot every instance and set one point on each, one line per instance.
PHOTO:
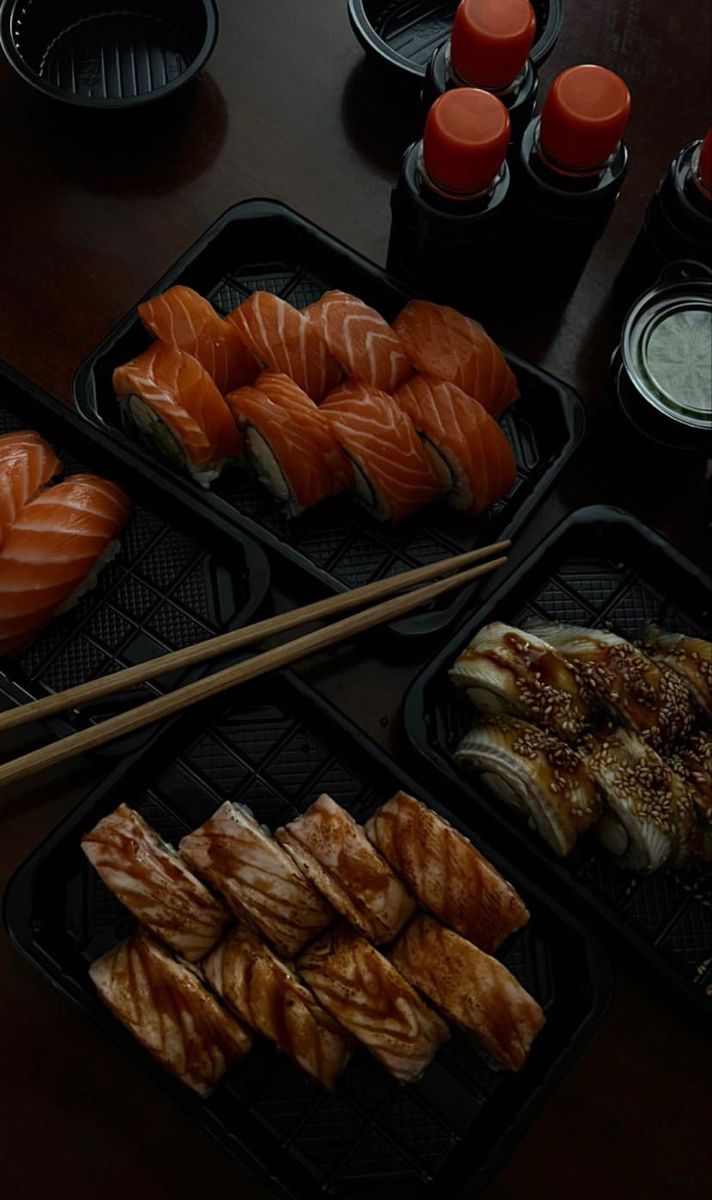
(95, 54)
(403, 34)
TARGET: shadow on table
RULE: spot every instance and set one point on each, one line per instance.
(380, 115)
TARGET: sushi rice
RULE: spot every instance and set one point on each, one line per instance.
(158, 436)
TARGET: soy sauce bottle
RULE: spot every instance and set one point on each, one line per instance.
(489, 49)
(677, 223)
(570, 169)
(450, 207)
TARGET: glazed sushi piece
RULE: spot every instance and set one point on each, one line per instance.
(629, 686)
(441, 342)
(365, 993)
(259, 880)
(471, 989)
(335, 854)
(289, 443)
(512, 671)
(469, 450)
(360, 340)
(445, 872)
(688, 657)
(148, 876)
(649, 820)
(53, 553)
(174, 404)
(286, 343)
(692, 763)
(536, 773)
(266, 994)
(166, 1007)
(182, 318)
(27, 464)
(393, 475)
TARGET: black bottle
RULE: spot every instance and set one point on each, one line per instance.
(570, 169)
(678, 221)
(489, 49)
(450, 207)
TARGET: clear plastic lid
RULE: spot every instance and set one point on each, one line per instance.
(667, 348)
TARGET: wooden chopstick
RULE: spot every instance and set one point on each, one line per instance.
(251, 668)
(190, 656)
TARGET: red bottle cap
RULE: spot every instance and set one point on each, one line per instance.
(491, 40)
(584, 117)
(465, 140)
(704, 163)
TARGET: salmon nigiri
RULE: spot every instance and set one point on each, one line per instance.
(170, 397)
(361, 340)
(289, 442)
(27, 463)
(53, 551)
(182, 318)
(287, 343)
(393, 473)
(469, 449)
(442, 342)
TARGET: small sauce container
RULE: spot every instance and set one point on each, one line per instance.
(661, 374)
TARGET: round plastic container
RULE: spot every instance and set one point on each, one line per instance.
(95, 54)
(662, 371)
(403, 34)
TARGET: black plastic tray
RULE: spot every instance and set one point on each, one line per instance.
(262, 244)
(175, 581)
(275, 745)
(600, 566)
(403, 34)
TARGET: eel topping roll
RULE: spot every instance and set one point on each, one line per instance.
(148, 876)
(512, 671)
(165, 1005)
(258, 878)
(266, 994)
(335, 854)
(445, 872)
(365, 993)
(688, 657)
(536, 773)
(627, 683)
(470, 988)
(692, 762)
(650, 818)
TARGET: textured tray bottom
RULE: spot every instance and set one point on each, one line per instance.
(112, 56)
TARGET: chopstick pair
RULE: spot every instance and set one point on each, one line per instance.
(269, 660)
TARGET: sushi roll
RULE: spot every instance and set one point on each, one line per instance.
(27, 464)
(146, 875)
(509, 671)
(441, 342)
(393, 475)
(174, 404)
(365, 993)
(360, 340)
(692, 763)
(469, 451)
(445, 872)
(649, 820)
(688, 657)
(53, 553)
(537, 774)
(289, 443)
(286, 343)
(471, 989)
(335, 854)
(266, 994)
(166, 1007)
(182, 318)
(259, 880)
(629, 686)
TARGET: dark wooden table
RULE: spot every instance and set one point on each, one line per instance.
(89, 221)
